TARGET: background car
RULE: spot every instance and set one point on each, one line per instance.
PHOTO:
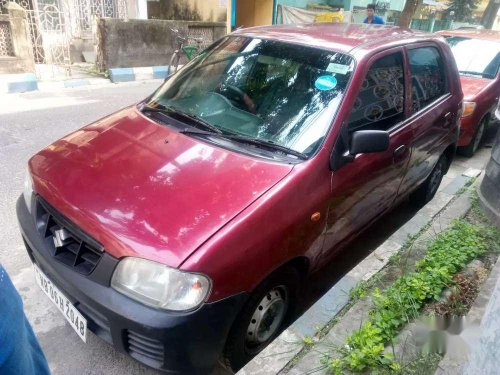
(477, 53)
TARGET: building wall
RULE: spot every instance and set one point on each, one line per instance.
(19, 60)
(188, 10)
(134, 43)
(245, 13)
(254, 12)
(263, 12)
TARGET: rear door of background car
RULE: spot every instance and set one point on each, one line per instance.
(432, 111)
(365, 188)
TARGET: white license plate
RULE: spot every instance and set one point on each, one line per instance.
(77, 321)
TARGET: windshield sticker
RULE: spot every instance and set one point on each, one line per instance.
(337, 68)
(325, 83)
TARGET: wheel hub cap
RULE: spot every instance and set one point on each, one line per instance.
(267, 317)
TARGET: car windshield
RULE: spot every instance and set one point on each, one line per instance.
(476, 56)
(273, 92)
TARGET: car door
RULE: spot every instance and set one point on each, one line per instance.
(365, 188)
(433, 111)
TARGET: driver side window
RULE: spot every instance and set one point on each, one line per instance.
(380, 102)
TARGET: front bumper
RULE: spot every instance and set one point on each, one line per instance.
(174, 342)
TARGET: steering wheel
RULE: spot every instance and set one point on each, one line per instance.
(246, 99)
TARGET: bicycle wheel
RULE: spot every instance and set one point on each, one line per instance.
(174, 63)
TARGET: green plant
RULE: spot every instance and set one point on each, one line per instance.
(422, 365)
(401, 302)
(359, 291)
(308, 340)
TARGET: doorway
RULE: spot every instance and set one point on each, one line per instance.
(247, 13)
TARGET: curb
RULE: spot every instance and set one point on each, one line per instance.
(138, 73)
(12, 83)
(71, 83)
(290, 342)
(24, 82)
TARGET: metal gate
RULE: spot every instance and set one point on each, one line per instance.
(85, 10)
(53, 23)
(48, 24)
(51, 37)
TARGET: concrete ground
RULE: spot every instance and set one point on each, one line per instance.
(31, 121)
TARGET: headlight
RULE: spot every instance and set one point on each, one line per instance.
(28, 189)
(468, 108)
(157, 285)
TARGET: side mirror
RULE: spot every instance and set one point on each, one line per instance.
(367, 141)
(362, 141)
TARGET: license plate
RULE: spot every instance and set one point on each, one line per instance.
(77, 321)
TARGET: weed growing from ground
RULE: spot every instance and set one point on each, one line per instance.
(401, 302)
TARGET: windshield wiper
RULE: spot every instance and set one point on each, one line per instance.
(252, 141)
(171, 111)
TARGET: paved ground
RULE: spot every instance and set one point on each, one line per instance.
(29, 122)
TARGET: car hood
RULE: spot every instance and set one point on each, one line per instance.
(142, 189)
(471, 86)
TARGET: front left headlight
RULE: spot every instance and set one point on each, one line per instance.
(28, 189)
(157, 285)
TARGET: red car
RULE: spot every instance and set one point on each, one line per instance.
(181, 228)
(477, 53)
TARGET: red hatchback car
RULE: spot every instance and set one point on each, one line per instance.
(180, 229)
(477, 53)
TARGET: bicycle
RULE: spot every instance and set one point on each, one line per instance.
(189, 50)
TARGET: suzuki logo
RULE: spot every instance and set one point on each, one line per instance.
(60, 235)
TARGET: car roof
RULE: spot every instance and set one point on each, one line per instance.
(483, 34)
(341, 37)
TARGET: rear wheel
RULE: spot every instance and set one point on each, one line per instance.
(429, 188)
(262, 317)
(473, 146)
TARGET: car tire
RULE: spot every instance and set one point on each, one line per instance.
(473, 146)
(428, 189)
(269, 306)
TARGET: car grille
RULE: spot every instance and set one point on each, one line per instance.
(69, 244)
(145, 349)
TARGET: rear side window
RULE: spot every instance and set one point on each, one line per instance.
(428, 78)
(380, 102)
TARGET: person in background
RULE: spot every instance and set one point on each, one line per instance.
(371, 17)
(20, 352)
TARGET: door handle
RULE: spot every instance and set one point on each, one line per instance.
(400, 151)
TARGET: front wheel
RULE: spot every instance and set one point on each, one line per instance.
(174, 63)
(430, 186)
(262, 317)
